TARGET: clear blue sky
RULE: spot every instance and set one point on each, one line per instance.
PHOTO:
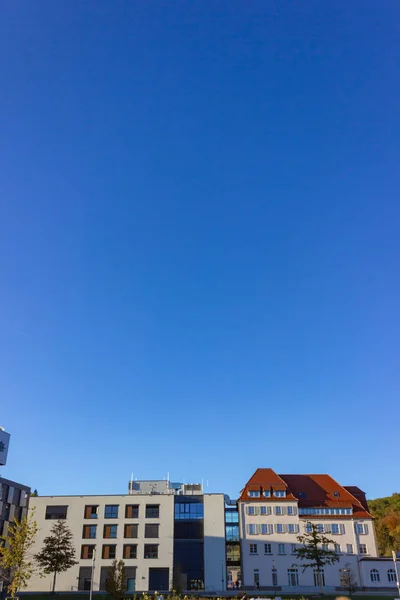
(200, 247)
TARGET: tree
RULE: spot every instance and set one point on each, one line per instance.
(314, 552)
(58, 553)
(35, 493)
(116, 580)
(347, 580)
(387, 523)
(16, 562)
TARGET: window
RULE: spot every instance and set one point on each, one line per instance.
(91, 511)
(266, 529)
(151, 551)
(279, 494)
(292, 528)
(232, 533)
(319, 578)
(130, 531)
(56, 512)
(336, 494)
(251, 510)
(281, 549)
(152, 511)
(87, 551)
(279, 528)
(290, 510)
(130, 551)
(293, 577)
(267, 549)
(189, 511)
(308, 527)
(254, 494)
(362, 528)
(256, 577)
(325, 547)
(151, 530)
(111, 511)
(89, 531)
(132, 511)
(252, 529)
(338, 549)
(231, 516)
(320, 528)
(335, 528)
(278, 510)
(109, 551)
(263, 510)
(232, 553)
(294, 548)
(363, 549)
(253, 549)
(392, 576)
(267, 494)
(374, 574)
(349, 548)
(110, 531)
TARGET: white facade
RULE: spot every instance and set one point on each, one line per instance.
(269, 532)
(142, 571)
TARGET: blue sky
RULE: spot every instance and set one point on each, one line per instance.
(199, 244)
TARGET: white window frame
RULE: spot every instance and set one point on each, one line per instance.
(391, 575)
(254, 494)
(349, 546)
(281, 547)
(253, 549)
(361, 549)
(269, 546)
(374, 576)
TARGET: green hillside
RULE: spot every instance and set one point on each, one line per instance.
(387, 514)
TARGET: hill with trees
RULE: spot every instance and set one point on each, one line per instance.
(387, 523)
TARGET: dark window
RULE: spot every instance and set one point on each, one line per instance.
(130, 550)
(84, 579)
(110, 531)
(132, 511)
(87, 551)
(91, 511)
(188, 530)
(111, 511)
(89, 531)
(151, 550)
(189, 510)
(152, 511)
(4, 492)
(17, 496)
(109, 551)
(56, 512)
(131, 531)
(151, 530)
(5, 513)
(233, 552)
(18, 513)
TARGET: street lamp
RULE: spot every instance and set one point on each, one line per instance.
(274, 577)
(91, 580)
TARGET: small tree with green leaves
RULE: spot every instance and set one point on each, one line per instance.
(57, 554)
(116, 580)
(16, 561)
(34, 494)
(347, 581)
(314, 552)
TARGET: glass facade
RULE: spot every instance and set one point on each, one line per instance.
(232, 533)
(189, 511)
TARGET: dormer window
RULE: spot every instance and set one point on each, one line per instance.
(254, 494)
(336, 494)
(280, 494)
(267, 493)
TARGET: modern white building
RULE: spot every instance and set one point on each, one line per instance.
(275, 509)
(169, 535)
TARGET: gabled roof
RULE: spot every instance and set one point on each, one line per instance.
(319, 490)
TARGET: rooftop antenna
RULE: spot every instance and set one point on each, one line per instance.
(168, 476)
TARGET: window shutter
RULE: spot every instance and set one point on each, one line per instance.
(285, 529)
(256, 510)
(269, 511)
(295, 510)
(327, 528)
(283, 510)
(258, 529)
(366, 529)
(342, 528)
(248, 529)
(355, 527)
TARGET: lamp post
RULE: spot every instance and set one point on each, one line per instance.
(91, 580)
(396, 571)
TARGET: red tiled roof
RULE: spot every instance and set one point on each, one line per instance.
(309, 490)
